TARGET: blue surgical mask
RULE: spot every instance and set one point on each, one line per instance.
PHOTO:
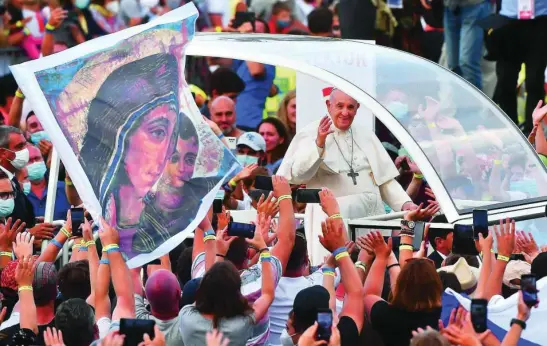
(36, 171)
(81, 4)
(6, 207)
(26, 187)
(246, 160)
(282, 24)
(398, 109)
(36, 137)
(528, 186)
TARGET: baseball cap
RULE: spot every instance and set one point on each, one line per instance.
(513, 271)
(189, 291)
(253, 140)
(307, 302)
(44, 283)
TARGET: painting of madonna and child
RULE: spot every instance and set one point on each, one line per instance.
(133, 128)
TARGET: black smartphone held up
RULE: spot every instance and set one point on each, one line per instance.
(463, 243)
(257, 193)
(308, 196)
(324, 324)
(529, 290)
(244, 17)
(77, 216)
(134, 330)
(245, 230)
(405, 166)
(218, 201)
(263, 182)
(480, 223)
(479, 310)
(419, 228)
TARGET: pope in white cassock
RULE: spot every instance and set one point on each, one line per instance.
(348, 159)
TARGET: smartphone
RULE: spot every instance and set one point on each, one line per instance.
(263, 182)
(134, 330)
(244, 17)
(324, 324)
(529, 290)
(419, 228)
(308, 195)
(480, 223)
(405, 166)
(77, 215)
(479, 311)
(218, 201)
(463, 243)
(238, 229)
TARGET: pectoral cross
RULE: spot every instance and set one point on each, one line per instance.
(352, 174)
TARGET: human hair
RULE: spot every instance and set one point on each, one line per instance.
(320, 21)
(73, 280)
(237, 252)
(437, 233)
(453, 258)
(224, 80)
(279, 151)
(44, 283)
(418, 287)
(429, 337)
(76, 320)
(184, 266)
(3, 175)
(122, 101)
(450, 280)
(282, 113)
(219, 293)
(5, 131)
(299, 253)
(280, 6)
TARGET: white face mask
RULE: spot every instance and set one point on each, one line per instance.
(286, 339)
(21, 159)
(150, 3)
(113, 6)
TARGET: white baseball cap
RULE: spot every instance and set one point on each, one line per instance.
(253, 140)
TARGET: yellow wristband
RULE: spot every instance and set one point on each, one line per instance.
(497, 162)
(431, 125)
(50, 27)
(26, 31)
(283, 197)
(341, 255)
(333, 274)
(66, 232)
(503, 258)
(68, 182)
(76, 246)
(19, 94)
(6, 253)
(90, 243)
(110, 247)
(232, 183)
(418, 176)
(361, 266)
(209, 237)
(218, 28)
(24, 288)
(19, 24)
(406, 247)
(335, 216)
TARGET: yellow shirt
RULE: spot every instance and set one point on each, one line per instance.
(285, 79)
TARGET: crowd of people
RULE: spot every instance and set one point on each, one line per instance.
(215, 289)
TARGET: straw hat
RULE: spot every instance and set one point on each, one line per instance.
(467, 275)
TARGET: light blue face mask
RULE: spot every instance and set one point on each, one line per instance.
(36, 137)
(245, 160)
(6, 207)
(81, 4)
(398, 109)
(26, 187)
(528, 186)
(36, 171)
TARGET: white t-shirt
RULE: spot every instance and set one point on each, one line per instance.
(286, 291)
(33, 26)
(221, 7)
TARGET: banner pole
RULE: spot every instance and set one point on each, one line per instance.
(51, 190)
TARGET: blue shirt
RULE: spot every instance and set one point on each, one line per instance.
(61, 202)
(509, 8)
(250, 103)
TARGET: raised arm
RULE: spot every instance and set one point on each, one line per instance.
(486, 267)
(8, 234)
(16, 109)
(24, 273)
(375, 278)
(92, 258)
(102, 300)
(513, 336)
(56, 17)
(121, 277)
(287, 226)
(56, 244)
(505, 237)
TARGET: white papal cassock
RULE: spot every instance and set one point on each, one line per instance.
(375, 183)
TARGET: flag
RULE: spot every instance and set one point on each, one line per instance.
(123, 120)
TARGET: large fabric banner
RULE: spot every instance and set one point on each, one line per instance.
(123, 120)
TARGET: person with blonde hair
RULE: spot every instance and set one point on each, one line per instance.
(287, 112)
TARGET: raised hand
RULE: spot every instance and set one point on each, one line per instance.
(54, 337)
(379, 246)
(57, 16)
(268, 206)
(323, 131)
(334, 235)
(258, 240)
(223, 219)
(45, 147)
(527, 244)
(281, 186)
(108, 234)
(86, 230)
(22, 247)
(432, 107)
(505, 236)
(263, 225)
(329, 202)
(247, 172)
(215, 338)
(8, 232)
(224, 241)
(539, 112)
(24, 272)
(486, 243)
(420, 214)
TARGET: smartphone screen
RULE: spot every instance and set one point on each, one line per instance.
(257, 193)
(244, 17)
(77, 215)
(245, 230)
(480, 223)
(324, 325)
(263, 182)
(418, 235)
(479, 315)
(308, 196)
(463, 243)
(529, 290)
(134, 330)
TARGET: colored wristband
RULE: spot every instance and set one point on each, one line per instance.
(19, 24)
(335, 216)
(221, 136)
(232, 183)
(406, 247)
(24, 288)
(83, 248)
(56, 243)
(104, 261)
(209, 237)
(76, 246)
(26, 31)
(497, 162)
(90, 243)
(341, 255)
(431, 125)
(50, 28)
(339, 250)
(503, 258)
(392, 265)
(263, 250)
(418, 176)
(361, 266)
(283, 197)
(265, 259)
(208, 233)
(221, 255)
(111, 247)
(6, 253)
(68, 182)
(218, 28)
(19, 94)
(328, 271)
(66, 232)
(265, 254)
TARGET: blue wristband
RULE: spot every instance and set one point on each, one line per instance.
(327, 270)
(339, 250)
(265, 259)
(56, 243)
(221, 136)
(104, 261)
(83, 248)
(209, 232)
(116, 249)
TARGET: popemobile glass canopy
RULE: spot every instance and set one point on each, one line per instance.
(469, 151)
